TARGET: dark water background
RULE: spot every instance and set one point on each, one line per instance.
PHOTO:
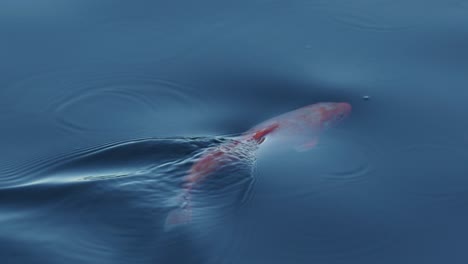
(104, 105)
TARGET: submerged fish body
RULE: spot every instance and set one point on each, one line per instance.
(307, 121)
(300, 127)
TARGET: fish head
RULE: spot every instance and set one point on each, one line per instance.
(328, 114)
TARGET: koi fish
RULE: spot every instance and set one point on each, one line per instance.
(300, 127)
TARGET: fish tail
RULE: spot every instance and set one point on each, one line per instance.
(178, 217)
(181, 215)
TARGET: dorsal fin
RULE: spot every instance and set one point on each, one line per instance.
(259, 135)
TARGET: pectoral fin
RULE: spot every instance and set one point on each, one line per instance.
(307, 145)
(178, 217)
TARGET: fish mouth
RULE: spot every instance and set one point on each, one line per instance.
(345, 107)
(343, 110)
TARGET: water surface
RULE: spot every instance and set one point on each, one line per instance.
(105, 105)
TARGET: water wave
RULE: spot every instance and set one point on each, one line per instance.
(89, 102)
(144, 176)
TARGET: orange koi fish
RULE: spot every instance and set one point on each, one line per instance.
(301, 127)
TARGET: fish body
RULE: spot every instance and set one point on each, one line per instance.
(303, 124)
(300, 127)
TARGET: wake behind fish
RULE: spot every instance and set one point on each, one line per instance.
(149, 173)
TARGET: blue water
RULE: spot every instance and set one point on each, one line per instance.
(105, 105)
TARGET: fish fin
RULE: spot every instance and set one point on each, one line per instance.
(260, 135)
(178, 217)
(308, 145)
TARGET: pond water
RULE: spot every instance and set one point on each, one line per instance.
(106, 105)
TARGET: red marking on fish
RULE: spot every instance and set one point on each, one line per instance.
(306, 122)
(260, 135)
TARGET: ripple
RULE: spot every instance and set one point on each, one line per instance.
(14, 174)
(89, 102)
(219, 195)
(367, 23)
(124, 103)
(153, 166)
(346, 161)
(433, 171)
(135, 183)
(106, 162)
